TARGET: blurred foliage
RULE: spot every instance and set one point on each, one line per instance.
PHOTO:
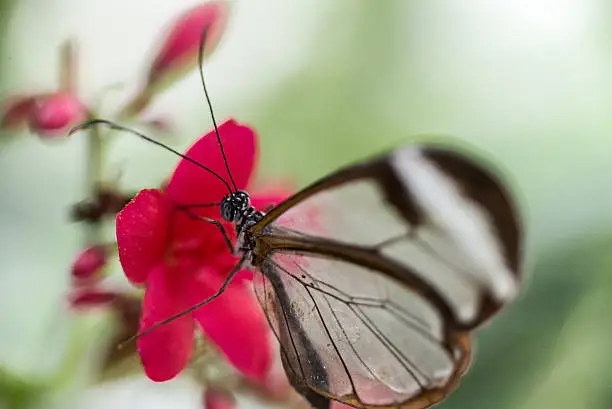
(518, 353)
(327, 111)
(16, 393)
(6, 10)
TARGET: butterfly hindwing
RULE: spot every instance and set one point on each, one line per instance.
(364, 341)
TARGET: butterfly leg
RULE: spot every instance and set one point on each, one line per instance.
(220, 291)
(222, 230)
(217, 224)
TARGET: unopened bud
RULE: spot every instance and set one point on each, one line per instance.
(16, 111)
(179, 52)
(89, 262)
(89, 298)
(217, 399)
(54, 114)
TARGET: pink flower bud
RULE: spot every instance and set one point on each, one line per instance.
(91, 298)
(88, 262)
(16, 111)
(160, 124)
(217, 399)
(276, 385)
(180, 50)
(53, 114)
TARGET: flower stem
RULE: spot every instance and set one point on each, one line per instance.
(93, 179)
(136, 105)
(68, 68)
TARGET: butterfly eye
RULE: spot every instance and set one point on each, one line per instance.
(234, 205)
(229, 211)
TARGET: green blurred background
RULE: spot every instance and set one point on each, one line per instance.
(326, 83)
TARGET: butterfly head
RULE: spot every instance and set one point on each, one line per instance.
(234, 205)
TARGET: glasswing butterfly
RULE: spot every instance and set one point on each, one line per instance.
(374, 304)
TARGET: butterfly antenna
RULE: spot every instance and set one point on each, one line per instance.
(112, 125)
(209, 103)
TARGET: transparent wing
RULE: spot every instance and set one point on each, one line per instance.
(351, 335)
(431, 216)
(374, 276)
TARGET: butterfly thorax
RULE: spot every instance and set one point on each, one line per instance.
(236, 208)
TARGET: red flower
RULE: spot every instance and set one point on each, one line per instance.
(182, 45)
(218, 399)
(16, 111)
(49, 115)
(88, 263)
(182, 261)
(52, 115)
(88, 298)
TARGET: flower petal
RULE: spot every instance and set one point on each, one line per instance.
(166, 350)
(180, 50)
(270, 195)
(218, 399)
(236, 324)
(87, 298)
(88, 263)
(16, 111)
(192, 185)
(276, 384)
(53, 114)
(142, 231)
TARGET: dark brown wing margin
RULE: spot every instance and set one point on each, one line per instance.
(482, 187)
(476, 182)
(377, 169)
(471, 174)
(291, 329)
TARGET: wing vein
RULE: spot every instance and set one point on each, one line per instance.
(365, 365)
(350, 300)
(374, 302)
(410, 367)
(421, 242)
(344, 366)
(404, 361)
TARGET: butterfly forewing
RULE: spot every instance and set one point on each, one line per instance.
(372, 276)
(437, 217)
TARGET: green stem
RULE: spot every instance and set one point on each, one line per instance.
(135, 105)
(68, 68)
(81, 356)
(93, 179)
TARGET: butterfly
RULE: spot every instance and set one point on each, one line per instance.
(374, 305)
